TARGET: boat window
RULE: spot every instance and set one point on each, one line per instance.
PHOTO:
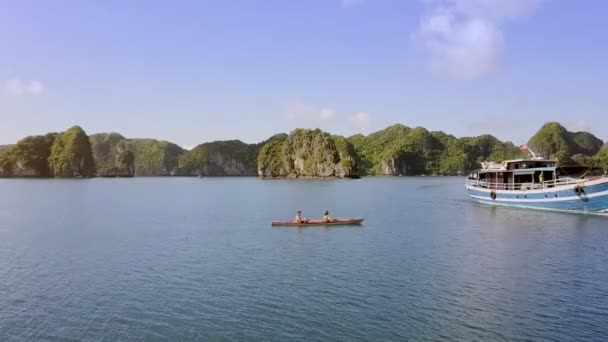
(523, 181)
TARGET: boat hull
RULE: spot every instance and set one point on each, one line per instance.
(592, 199)
(318, 223)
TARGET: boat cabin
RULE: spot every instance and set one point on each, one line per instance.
(519, 174)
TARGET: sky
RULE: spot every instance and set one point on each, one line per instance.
(197, 71)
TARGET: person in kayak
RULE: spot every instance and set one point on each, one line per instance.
(326, 217)
(299, 218)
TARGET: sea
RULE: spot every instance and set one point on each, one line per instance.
(196, 259)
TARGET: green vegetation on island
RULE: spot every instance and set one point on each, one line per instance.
(112, 155)
(220, 158)
(307, 153)
(555, 141)
(396, 150)
(117, 156)
(71, 155)
(154, 157)
(399, 149)
(600, 160)
(28, 158)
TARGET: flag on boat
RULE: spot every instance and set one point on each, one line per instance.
(523, 147)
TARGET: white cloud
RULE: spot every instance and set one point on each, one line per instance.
(327, 114)
(352, 3)
(20, 87)
(361, 121)
(578, 126)
(309, 114)
(464, 39)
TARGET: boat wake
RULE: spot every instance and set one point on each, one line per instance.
(430, 186)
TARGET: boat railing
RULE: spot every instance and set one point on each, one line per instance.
(522, 186)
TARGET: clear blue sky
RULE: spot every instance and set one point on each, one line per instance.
(196, 71)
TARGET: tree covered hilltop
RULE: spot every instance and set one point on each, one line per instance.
(395, 150)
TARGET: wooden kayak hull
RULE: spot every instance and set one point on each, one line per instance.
(318, 223)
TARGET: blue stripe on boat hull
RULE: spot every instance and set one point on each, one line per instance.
(573, 207)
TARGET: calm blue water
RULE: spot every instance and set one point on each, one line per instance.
(187, 259)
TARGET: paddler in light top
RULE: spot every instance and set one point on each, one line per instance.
(299, 218)
(326, 217)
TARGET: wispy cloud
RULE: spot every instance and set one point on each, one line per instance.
(464, 39)
(352, 3)
(20, 87)
(327, 114)
(309, 114)
(361, 121)
(578, 126)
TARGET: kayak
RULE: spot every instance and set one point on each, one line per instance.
(318, 223)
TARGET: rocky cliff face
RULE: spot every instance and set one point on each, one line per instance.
(117, 156)
(306, 153)
(220, 158)
(71, 154)
(28, 158)
(155, 158)
(397, 150)
(403, 164)
(112, 155)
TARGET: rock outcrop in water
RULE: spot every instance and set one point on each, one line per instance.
(154, 157)
(28, 158)
(308, 153)
(116, 155)
(112, 155)
(71, 155)
(220, 158)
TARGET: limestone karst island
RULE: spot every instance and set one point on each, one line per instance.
(396, 150)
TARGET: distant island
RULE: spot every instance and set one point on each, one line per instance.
(304, 153)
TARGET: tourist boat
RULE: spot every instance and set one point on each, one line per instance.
(537, 183)
(318, 223)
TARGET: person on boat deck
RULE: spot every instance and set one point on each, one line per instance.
(299, 218)
(326, 217)
(541, 178)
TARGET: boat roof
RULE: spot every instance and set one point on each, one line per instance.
(529, 160)
(517, 171)
(537, 164)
